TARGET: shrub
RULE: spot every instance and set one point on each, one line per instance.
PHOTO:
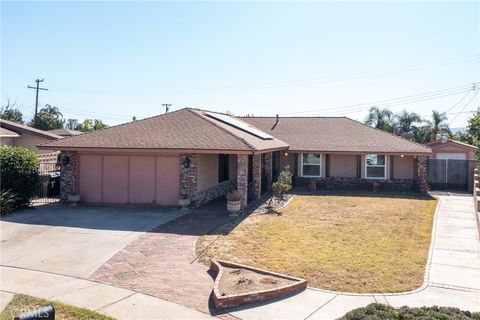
(234, 195)
(283, 183)
(7, 201)
(377, 311)
(19, 173)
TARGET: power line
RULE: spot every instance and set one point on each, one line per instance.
(465, 106)
(391, 102)
(37, 88)
(280, 84)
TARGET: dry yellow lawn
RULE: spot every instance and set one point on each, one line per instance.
(345, 243)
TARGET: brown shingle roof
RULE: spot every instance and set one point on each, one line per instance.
(436, 143)
(65, 132)
(182, 129)
(334, 135)
(18, 127)
(8, 133)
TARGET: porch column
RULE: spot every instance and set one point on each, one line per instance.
(188, 176)
(269, 170)
(257, 175)
(242, 178)
(68, 174)
(422, 174)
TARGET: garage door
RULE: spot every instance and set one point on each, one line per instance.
(122, 179)
(453, 156)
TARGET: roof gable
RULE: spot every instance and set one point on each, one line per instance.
(181, 129)
(19, 128)
(439, 143)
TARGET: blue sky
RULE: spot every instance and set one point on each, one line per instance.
(114, 60)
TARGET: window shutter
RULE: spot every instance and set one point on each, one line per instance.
(359, 166)
(327, 165)
(391, 166)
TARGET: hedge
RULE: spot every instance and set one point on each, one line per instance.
(19, 173)
(377, 311)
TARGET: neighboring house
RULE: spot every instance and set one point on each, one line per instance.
(65, 132)
(20, 135)
(444, 148)
(202, 155)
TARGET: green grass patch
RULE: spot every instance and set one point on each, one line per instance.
(23, 303)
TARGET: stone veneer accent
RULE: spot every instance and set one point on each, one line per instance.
(242, 178)
(421, 178)
(342, 183)
(214, 192)
(188, 176)
(268, 170)
(68, 174)
(257, 175)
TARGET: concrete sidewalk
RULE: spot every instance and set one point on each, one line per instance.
(452, 276)
(116, 302)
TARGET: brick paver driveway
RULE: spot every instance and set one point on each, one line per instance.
(162, 262)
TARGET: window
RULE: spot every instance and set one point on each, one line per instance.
(310, 164)
(375, 166)
(223, 167)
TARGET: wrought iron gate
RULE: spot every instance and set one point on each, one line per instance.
(449, 174)
(48, 187)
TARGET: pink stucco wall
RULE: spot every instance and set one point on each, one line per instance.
(30, 141)
(343, 165)
(451, 148)
(207, 174)
(403, 167)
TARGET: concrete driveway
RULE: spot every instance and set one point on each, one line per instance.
(74, 241)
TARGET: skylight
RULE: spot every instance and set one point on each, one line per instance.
(239, 125)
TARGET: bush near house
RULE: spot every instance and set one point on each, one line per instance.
(377, 311)
(283, 183)
(19, 175)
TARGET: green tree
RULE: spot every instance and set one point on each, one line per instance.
(406, 122)
(72, 124)
(91, 125)
(382, 119)
(11, 113)
(19, 173)
(438, 124)
(48, 118)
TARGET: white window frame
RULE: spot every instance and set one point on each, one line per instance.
(384, 167)
(309, 164)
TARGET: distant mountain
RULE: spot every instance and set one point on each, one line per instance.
(455, 130)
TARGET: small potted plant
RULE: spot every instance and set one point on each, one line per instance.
(184, 201)
(233, 202)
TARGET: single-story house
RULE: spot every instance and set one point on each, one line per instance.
(443, 148)
(65, 132)
(19, 135)
(202, 155)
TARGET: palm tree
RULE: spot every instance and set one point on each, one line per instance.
(438, 124)
(380, 119)
(406, 122)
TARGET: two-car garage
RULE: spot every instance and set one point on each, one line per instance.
(129, 179)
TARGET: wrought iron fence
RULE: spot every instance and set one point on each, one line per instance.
(48, 186)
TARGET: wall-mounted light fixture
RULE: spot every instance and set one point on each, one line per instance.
(186, 162)
(401, 156)
(285, 154)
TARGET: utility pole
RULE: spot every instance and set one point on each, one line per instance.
(167, 106)
(36, 99)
